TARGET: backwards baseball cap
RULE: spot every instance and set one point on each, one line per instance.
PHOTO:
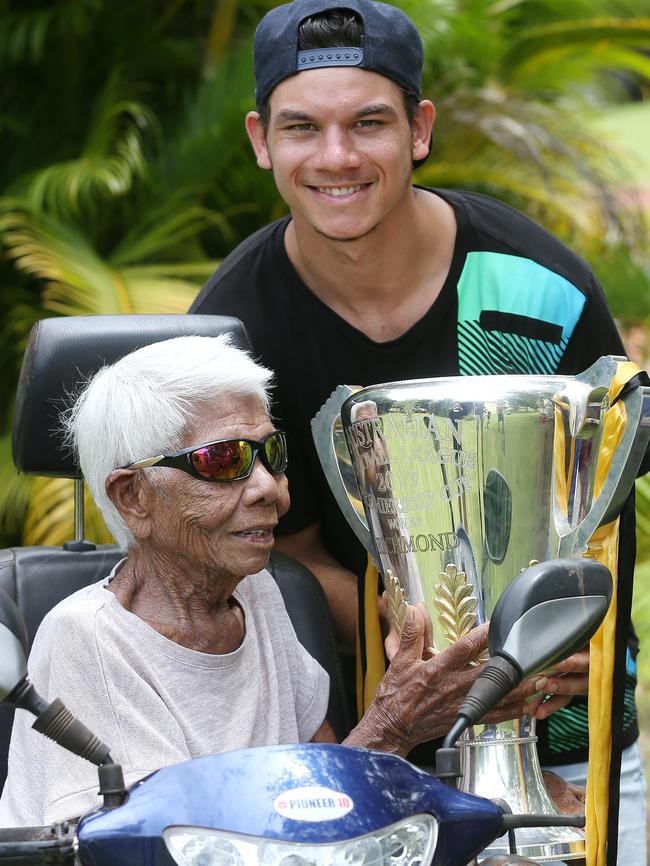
(391, 45)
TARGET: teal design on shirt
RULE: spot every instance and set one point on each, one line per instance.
(522, 287)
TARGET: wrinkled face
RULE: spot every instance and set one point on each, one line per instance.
(224, 529)
(341, 149)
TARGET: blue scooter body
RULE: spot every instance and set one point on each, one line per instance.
(260, 792)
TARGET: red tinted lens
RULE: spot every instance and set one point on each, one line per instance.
(223, 461)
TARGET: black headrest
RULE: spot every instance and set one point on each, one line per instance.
(64, 352)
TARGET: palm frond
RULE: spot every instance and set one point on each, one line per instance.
(643, 518)
(530, 152)
(111, 159)
(50, 516)
(167, 232)
(587, 31)
(558, 205)
(62, 257)
(15, 492)
(220, 35)
(23, 34)
(152, 292)
(550, 69)
(78, 281)
(210, 137)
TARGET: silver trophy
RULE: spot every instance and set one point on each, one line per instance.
(454, 486)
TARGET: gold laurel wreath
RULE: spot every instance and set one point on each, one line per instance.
(457, 607)
(397, 603)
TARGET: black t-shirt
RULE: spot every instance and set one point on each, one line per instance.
(515, 300)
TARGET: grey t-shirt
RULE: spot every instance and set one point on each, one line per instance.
(153, 701)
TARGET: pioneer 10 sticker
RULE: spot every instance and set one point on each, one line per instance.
(313, 803)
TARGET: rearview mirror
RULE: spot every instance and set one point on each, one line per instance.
(549, 611)
(13, 646)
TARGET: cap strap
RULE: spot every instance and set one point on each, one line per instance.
(320, 57)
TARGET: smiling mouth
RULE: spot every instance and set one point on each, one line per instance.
(262, 534)
(341, 191)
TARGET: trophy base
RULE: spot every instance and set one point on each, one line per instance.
(541, 844)
(500, 761)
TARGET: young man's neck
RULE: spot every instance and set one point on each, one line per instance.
(384, 282)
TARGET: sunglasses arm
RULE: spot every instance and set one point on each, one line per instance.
(143, 464)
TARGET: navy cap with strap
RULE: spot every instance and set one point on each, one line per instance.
(391, 45)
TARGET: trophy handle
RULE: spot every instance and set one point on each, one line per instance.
(625, 462)
(323, 429)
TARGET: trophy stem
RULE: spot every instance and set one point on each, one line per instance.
(501, 761)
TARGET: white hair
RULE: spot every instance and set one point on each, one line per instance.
(142, 405)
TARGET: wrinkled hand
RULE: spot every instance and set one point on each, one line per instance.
(418, 697)
(569, 799)
(565, 679)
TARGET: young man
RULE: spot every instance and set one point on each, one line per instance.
(371, 279)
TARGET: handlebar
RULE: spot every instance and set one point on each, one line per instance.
(507, 860)
(31, 846)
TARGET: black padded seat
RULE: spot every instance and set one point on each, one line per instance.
(60, 354)
(38, 578)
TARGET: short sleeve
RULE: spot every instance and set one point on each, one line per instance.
(595, 334)
(45, 782)
(68, 660)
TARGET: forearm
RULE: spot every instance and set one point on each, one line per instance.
(377, 730)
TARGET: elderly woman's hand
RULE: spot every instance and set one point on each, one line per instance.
(565, 679)
(418, 698)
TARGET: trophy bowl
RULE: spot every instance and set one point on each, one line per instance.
(457, 485)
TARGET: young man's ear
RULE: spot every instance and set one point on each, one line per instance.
(257, 136)
(423, 122)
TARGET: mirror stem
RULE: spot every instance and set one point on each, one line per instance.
(499, 676)
(111, 783)
(27, 698)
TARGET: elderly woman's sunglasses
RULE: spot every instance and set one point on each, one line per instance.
(225, 459)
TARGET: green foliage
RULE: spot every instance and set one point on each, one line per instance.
(643, 520)
(625, 282)
(111, 158)
(128, 174)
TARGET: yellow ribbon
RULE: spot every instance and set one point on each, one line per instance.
(603, 546)
(375, 660)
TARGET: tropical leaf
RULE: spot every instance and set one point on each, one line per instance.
(111, 158)
(78, 281)
(15, 493)
(643, 518)
(209, 138)
(168, 232)
(50, 515)
(76, 276)
(588, 32)
(23, 36)
(152, 292)
(25, 32)
(625, 282)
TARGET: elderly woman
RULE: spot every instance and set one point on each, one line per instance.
(185, 649)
